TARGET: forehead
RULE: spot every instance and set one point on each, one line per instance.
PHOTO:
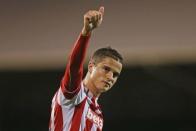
(112, 63)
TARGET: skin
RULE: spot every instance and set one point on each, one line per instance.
(92, 17)
(103, 75)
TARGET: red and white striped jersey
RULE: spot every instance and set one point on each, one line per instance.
(81, 113)
(73, 106)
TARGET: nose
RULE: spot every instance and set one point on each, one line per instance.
(110, 76)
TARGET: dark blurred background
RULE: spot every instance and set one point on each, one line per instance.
(145, 98)
(156, 90)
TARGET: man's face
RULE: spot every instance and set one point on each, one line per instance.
(104, 74)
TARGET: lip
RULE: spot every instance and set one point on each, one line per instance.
(107, 83)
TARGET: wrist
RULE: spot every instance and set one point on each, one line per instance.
(85, 32)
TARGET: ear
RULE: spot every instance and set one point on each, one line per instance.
(90, 66)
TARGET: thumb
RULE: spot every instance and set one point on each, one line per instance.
(101, 10)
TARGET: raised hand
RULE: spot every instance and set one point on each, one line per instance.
(92, 20)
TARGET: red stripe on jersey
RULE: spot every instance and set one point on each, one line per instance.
(89, 125)
(58, 118)
(76, 121)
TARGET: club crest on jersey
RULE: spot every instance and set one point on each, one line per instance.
(92, 116)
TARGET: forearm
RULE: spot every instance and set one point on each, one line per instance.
(78, 53)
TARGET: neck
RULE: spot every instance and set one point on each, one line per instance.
(89, 84)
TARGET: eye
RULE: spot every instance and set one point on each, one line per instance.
(106, 68)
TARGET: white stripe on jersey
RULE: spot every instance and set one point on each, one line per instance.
(71, 102)
(83, 119)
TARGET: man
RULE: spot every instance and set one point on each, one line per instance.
(74, 106)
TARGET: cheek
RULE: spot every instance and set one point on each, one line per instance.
(96, 75)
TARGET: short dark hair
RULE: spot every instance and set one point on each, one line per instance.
(106, 52)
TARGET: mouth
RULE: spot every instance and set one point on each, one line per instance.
(107, 83)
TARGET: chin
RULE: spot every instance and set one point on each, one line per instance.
(104, 89)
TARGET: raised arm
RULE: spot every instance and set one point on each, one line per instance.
(72, 78)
